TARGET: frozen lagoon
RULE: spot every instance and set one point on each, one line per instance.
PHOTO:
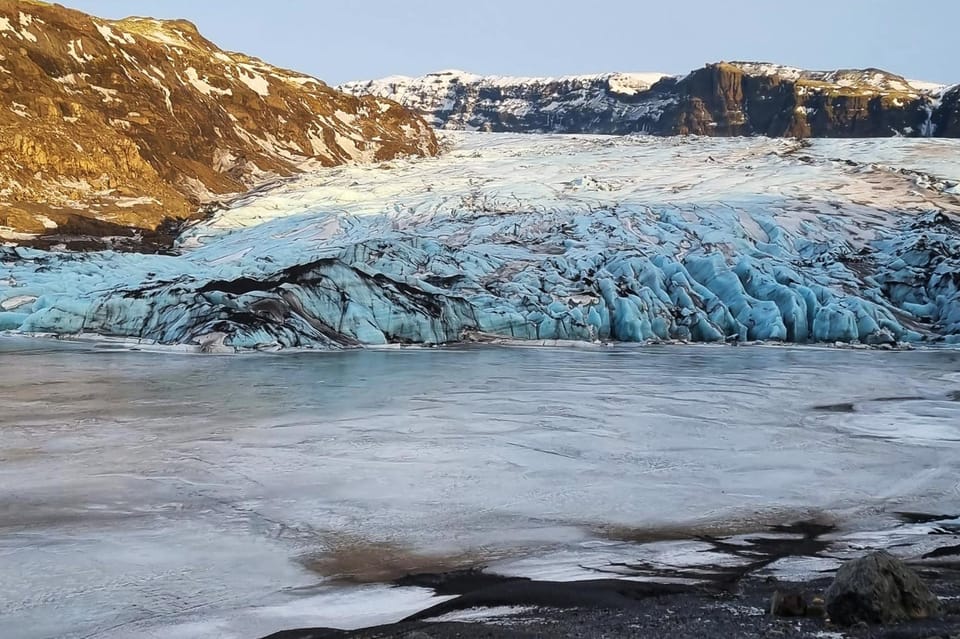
(542, 238)
(170, 495)
(159, 495)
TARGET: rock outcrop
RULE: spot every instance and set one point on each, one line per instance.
(109, 125)
(879, 588)
(722, 99)
(753, 99)
(946, 115)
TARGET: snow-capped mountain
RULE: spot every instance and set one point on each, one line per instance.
(569, 104)
(728, 98)
(113, 124)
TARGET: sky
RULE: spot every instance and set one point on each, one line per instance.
(340, 40)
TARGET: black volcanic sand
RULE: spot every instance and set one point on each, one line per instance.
(729, 602)
(622, 609)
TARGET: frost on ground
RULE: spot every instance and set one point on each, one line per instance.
(544, 238)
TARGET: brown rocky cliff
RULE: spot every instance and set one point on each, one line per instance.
(127, 123)
(752, 99)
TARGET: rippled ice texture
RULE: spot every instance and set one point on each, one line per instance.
(148, 495)
(543, 238)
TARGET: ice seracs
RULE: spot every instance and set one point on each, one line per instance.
(544, 238)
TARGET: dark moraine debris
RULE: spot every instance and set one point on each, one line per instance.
(308, 633)
(610, 594)
(924, 518)
(741, 612)
(944, 551)
(879, 589)
(844, 407)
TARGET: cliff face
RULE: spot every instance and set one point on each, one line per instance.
(946, 116)
(738, 98)
(106, 125)
(756, 99)
(606, 103)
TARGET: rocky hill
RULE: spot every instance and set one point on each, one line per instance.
(111, 125)
(736, 98)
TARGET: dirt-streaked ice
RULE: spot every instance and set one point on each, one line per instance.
(543, 238)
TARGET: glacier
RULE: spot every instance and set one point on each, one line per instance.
(546, 237)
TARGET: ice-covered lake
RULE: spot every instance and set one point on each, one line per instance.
(147, 494)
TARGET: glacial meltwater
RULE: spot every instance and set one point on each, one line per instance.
(157, 494)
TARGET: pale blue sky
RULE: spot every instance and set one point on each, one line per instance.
(339, 40)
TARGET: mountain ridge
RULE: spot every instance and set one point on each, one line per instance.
(113, 125)
(724, 98)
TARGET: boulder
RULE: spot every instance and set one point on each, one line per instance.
(795, 604)
(788, 604)
(879, 589)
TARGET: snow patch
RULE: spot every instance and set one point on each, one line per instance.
(7, 233)
(46, 221)
(112, 37)
(482, 615)
(131, 202)
(301, 80)
(353, 609)
(870, 80)
(254, 81)
(75, 51)
(201, 85)
(107, 95)
(926, 87)
(348, 119)
(633, 83)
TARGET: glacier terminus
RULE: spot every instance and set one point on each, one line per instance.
(513, 237)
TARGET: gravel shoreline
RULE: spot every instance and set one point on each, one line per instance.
(615, 608)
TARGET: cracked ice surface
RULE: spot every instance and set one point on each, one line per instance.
(544, 238)
(231, 497)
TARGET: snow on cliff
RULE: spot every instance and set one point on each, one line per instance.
(725, 98)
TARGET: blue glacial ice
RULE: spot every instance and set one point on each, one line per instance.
(543, 238)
